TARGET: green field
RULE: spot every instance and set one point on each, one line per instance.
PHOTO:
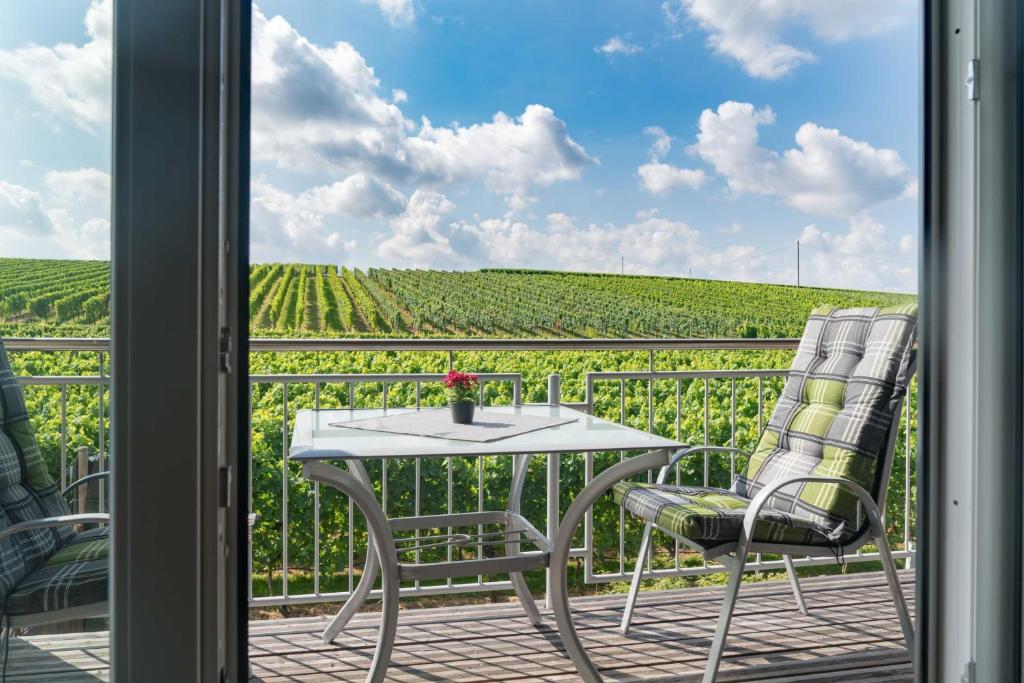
(317, 300)
(58, 298)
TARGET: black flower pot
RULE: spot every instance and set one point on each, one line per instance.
(462, 412)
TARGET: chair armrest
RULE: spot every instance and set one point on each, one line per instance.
(758, 502)
(84, 480)
(690, 450)
(50, 522)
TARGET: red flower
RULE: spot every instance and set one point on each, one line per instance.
(461, 380)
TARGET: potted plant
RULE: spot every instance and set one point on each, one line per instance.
(461, 388)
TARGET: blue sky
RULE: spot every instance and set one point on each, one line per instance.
(697, 137)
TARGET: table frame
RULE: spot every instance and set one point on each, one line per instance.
(355, 483)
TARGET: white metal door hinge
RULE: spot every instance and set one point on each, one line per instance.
(968, 675)
(224, 486)
(225, 349)
(971, 80)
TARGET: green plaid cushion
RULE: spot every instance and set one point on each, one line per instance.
(26, 490)
(834, 414)
(711, 516)
(75, 575)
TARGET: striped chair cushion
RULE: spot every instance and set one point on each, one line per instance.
(712, 516)
(26, 490)
(75, 575)
(851, 370)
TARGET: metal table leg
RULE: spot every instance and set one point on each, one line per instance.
(380, 532)
(563, 543)
(520, 465)
(370, 569)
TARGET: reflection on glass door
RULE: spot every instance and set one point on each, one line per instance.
(55, 362)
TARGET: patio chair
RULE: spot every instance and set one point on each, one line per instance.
(49, 572)
(816, 483)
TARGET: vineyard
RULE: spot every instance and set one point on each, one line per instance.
(68, 298)
(315, 300)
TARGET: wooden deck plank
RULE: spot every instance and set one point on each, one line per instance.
(852, 634)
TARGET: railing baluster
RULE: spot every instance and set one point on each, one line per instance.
(450, 509)
(679, 437)
(707, 465)
(384, 466)
(416, 493)
(284, 490)
(732, 433)
(249, 456)
(480, 508)
(351, 550)
(760, 418)
(316, 510)
(906, 481)
(63, 436)
(707, 468)
(101, 432)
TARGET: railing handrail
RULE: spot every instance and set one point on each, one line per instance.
(441, 344)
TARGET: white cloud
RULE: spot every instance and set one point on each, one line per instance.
(316, 107)
(397, 12)
(304, 226)
(828, 173)
(22, 210)
(67, 219)
(751, 31)
(398, 96)
(357, 195)
(84, 185)
(617, 45)
(416, 239)
(648, 244)
(661, 145)
(658, 178)
(68, 81)
(864, 257)
(321, 108)
(511, 155)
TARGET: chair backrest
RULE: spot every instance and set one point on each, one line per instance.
(26, 490)
(836, 414)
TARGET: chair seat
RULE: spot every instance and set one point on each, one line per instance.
(77, 574)
(711, 517)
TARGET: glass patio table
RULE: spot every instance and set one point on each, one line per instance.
(320, 437)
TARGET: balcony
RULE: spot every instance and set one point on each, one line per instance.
(770, 641)
(309, 547)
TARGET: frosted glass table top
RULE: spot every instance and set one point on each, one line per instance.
(316, 439)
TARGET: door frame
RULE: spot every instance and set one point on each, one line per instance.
(179, 373)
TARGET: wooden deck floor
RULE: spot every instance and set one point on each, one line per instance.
(851, 634)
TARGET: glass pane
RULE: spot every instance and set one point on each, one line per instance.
(55, 99)
(637, 206)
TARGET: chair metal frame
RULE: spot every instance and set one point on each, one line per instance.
(732, 554)
(96, 609)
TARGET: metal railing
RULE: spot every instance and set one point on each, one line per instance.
(638, 393)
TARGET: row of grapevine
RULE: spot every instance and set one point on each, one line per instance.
(324, 299)
(364, 304)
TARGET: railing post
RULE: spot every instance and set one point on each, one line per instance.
(553, 488)
(554, 389)
(82, 470)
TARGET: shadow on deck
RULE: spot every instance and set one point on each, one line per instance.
(851, 634)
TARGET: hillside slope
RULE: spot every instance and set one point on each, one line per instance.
(68, 297)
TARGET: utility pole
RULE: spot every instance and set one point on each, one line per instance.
(798, 263)
(622, 265)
